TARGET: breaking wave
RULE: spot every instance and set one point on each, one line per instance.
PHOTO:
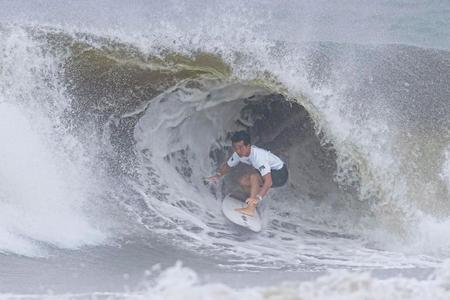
(108, 138)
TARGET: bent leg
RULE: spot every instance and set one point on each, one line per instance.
(244, 182)
(252, 183)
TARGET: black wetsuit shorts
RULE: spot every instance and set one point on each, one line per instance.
(279, 177)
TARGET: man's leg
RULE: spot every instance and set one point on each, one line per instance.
(245, 184)
(251, 183)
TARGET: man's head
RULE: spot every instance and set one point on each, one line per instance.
(241, 143)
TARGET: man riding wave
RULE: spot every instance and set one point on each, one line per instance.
(269, 170)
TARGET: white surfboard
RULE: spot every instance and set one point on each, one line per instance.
(229, 205)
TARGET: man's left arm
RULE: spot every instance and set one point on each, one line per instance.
(267, 183)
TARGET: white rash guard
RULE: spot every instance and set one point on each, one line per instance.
(260, 159)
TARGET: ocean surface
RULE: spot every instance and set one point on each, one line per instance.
(112, 113)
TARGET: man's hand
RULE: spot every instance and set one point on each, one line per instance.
(251, 201)
(214, 178)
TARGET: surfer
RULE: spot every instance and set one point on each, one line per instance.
(270, 170)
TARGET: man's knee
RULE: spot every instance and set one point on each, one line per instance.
(244, 180)
(255, 178)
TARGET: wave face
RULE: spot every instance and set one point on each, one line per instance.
(107, 137)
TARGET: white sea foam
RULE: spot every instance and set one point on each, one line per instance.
(42, 188)
(39, 201)
(180, 283)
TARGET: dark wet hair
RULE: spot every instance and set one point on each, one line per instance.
(241, 136)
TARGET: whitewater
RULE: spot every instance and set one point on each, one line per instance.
(112, 114)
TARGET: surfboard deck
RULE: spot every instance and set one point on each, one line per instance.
(229, 205)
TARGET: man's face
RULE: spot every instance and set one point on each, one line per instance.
(241, 149)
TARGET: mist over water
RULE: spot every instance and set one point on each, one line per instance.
(111, 115)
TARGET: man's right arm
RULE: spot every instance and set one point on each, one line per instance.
(224, 169)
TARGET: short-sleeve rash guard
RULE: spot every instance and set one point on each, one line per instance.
(262, 160)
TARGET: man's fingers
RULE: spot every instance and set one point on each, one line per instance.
(211, 178)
